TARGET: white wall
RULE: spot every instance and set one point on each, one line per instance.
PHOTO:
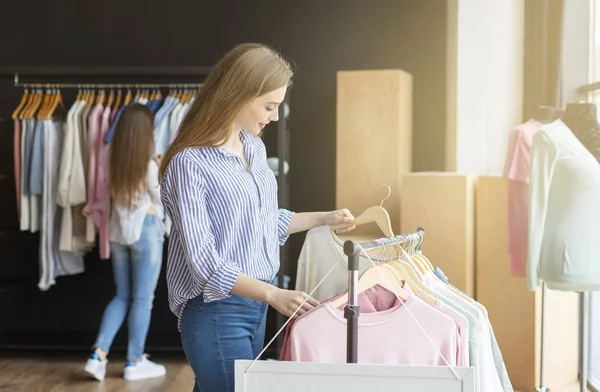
(485, 82)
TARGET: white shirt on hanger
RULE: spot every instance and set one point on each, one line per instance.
(321, 251)
(126, 224)
(564, 212)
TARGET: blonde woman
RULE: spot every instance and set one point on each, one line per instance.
(136, 243)
(221, 196)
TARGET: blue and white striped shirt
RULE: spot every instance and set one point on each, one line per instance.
(225, 219)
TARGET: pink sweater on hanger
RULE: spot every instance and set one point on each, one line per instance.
(390, 335)
(101, 209)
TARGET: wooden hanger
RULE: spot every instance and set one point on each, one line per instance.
(376, 214)
(36, 103)
(111, 98)
(414, 282)
(91, 97)
(32, 97)
(24, 99)
(101, 97)
(118, 100)
(43, 108)
(128, 97)
(370, 278)
(57, 106)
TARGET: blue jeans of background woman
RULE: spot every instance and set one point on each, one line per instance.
(215, 334)
(136, 269)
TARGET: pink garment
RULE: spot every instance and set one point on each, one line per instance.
(94, 133)
(516, 169)
(388, 336)
(100, 210)
(365, 307)
(17, 163)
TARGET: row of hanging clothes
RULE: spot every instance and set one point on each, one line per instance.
(410, 313)
(60, 164)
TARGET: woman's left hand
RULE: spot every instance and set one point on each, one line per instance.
(342, 217)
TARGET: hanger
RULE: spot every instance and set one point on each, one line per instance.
(128, 97)
(408, 274)
(44, 106)
(32, 97)
(24, 99)
(376, 214)
(111, 98)
(58, 107)
(370, 278)
(118, 100)
(92, 96)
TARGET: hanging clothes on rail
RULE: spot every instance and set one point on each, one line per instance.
(322, 270)
(38, 145)
(61, 167)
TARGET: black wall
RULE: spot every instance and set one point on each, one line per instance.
(319, 36)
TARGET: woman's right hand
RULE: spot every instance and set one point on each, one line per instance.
(287, 301)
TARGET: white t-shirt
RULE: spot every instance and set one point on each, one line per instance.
(321, 251)
(126, 224)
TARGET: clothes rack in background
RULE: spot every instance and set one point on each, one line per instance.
(51, 322)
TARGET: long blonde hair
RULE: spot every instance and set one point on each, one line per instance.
(246, 72)
(131, 149)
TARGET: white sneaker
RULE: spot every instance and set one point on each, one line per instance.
(143, 369)
(96, 367)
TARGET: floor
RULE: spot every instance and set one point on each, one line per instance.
(62, 372)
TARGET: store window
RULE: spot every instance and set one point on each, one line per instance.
(594, 76)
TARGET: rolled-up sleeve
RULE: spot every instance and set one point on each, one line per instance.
(283, 223)
(211, 272)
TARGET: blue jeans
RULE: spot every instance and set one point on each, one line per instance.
(136, 269)
(217, 333)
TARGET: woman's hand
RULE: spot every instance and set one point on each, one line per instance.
(342, 217)
(287, 301)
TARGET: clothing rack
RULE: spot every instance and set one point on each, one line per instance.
(352, 309)
(58, 328)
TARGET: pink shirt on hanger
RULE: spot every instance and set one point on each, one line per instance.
(101, 209)
(391, 335)
(516, 169)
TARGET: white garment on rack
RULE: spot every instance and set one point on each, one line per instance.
(71, 182)
(321, 251)
(53, 261)
(24, 219)
(481, 343)
(126, 223)
(564, 212)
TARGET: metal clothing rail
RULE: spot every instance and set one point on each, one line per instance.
(352, 309)
(70, 77)
(151, 71)
(105, 85)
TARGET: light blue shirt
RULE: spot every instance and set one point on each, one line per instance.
(225, 221)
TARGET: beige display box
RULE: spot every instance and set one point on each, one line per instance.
(515, 312)
(444, 205)
(374, 140)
